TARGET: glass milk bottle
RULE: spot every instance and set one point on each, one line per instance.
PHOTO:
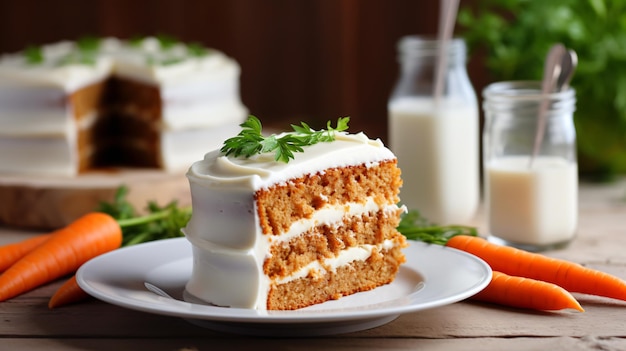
(436, 140)
(531, 197)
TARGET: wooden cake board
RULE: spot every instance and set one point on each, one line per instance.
(48, 203)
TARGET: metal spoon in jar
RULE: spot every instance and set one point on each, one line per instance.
(551, 72)
(568, 66)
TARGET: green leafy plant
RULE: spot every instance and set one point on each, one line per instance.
(416, 227)
(515, 36)
(250, 141)
(33, 55)
(160, 222)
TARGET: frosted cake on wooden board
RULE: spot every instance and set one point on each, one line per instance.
(80, 118)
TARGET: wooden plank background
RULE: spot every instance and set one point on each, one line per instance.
(310, 60)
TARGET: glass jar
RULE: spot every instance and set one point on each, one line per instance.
(531, 194)
(436, 140)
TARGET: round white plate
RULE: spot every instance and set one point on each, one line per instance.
(433, 276)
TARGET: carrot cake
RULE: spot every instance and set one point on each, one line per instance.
(286, 234)
(73, 106)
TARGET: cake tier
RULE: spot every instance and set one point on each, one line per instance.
(378, 269)
(283, 204)
(329, 240)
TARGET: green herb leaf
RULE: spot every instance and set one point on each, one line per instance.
(33, 55)
(136, 41)
(166, 41)
(416, 227)
(160, 222)
(250, 141)
(197, 50)
(88, 44)
(168, 61)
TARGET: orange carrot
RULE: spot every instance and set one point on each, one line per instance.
(526, 293)
(568, 275)
(11, 253)
(68, 293)
(63, 253)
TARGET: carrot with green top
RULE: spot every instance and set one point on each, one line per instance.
(568, 275)
(161, 222)
(527, 293)
(512, 261)
(11, 253)
(63, 253)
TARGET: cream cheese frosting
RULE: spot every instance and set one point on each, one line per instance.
(262, 170)
(146, 60)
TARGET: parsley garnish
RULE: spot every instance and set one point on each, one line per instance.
(250, 141)
(166, 41)
(85, 54)
(33, 55)
(136, 41)
(197, 50)
(88, 44)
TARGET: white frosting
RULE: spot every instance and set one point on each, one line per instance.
(228, 245)
(146, 61)
(262, 170)
(200, 95)
(44, 155)
(223, 187)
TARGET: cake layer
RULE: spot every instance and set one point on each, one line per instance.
(328, 240)
(44, 156)
(281, 205)
(52, 156)
(33, 111)
(361, 275)
(233, 278)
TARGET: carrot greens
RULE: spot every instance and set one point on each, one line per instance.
(160, 222)
(414, 226)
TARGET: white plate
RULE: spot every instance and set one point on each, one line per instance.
(433, 276)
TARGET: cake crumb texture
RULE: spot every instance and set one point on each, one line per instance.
(281, 205)
(327, 241)
(358, 276)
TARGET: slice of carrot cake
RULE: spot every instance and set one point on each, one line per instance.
(296, 219)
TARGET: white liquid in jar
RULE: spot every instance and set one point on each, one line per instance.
(437, 150)
(533, 206)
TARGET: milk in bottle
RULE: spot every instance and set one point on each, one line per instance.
(436, 140)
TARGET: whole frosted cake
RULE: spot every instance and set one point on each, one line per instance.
(281, 231)
(69, 107)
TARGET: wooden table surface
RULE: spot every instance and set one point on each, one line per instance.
(27, 324)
